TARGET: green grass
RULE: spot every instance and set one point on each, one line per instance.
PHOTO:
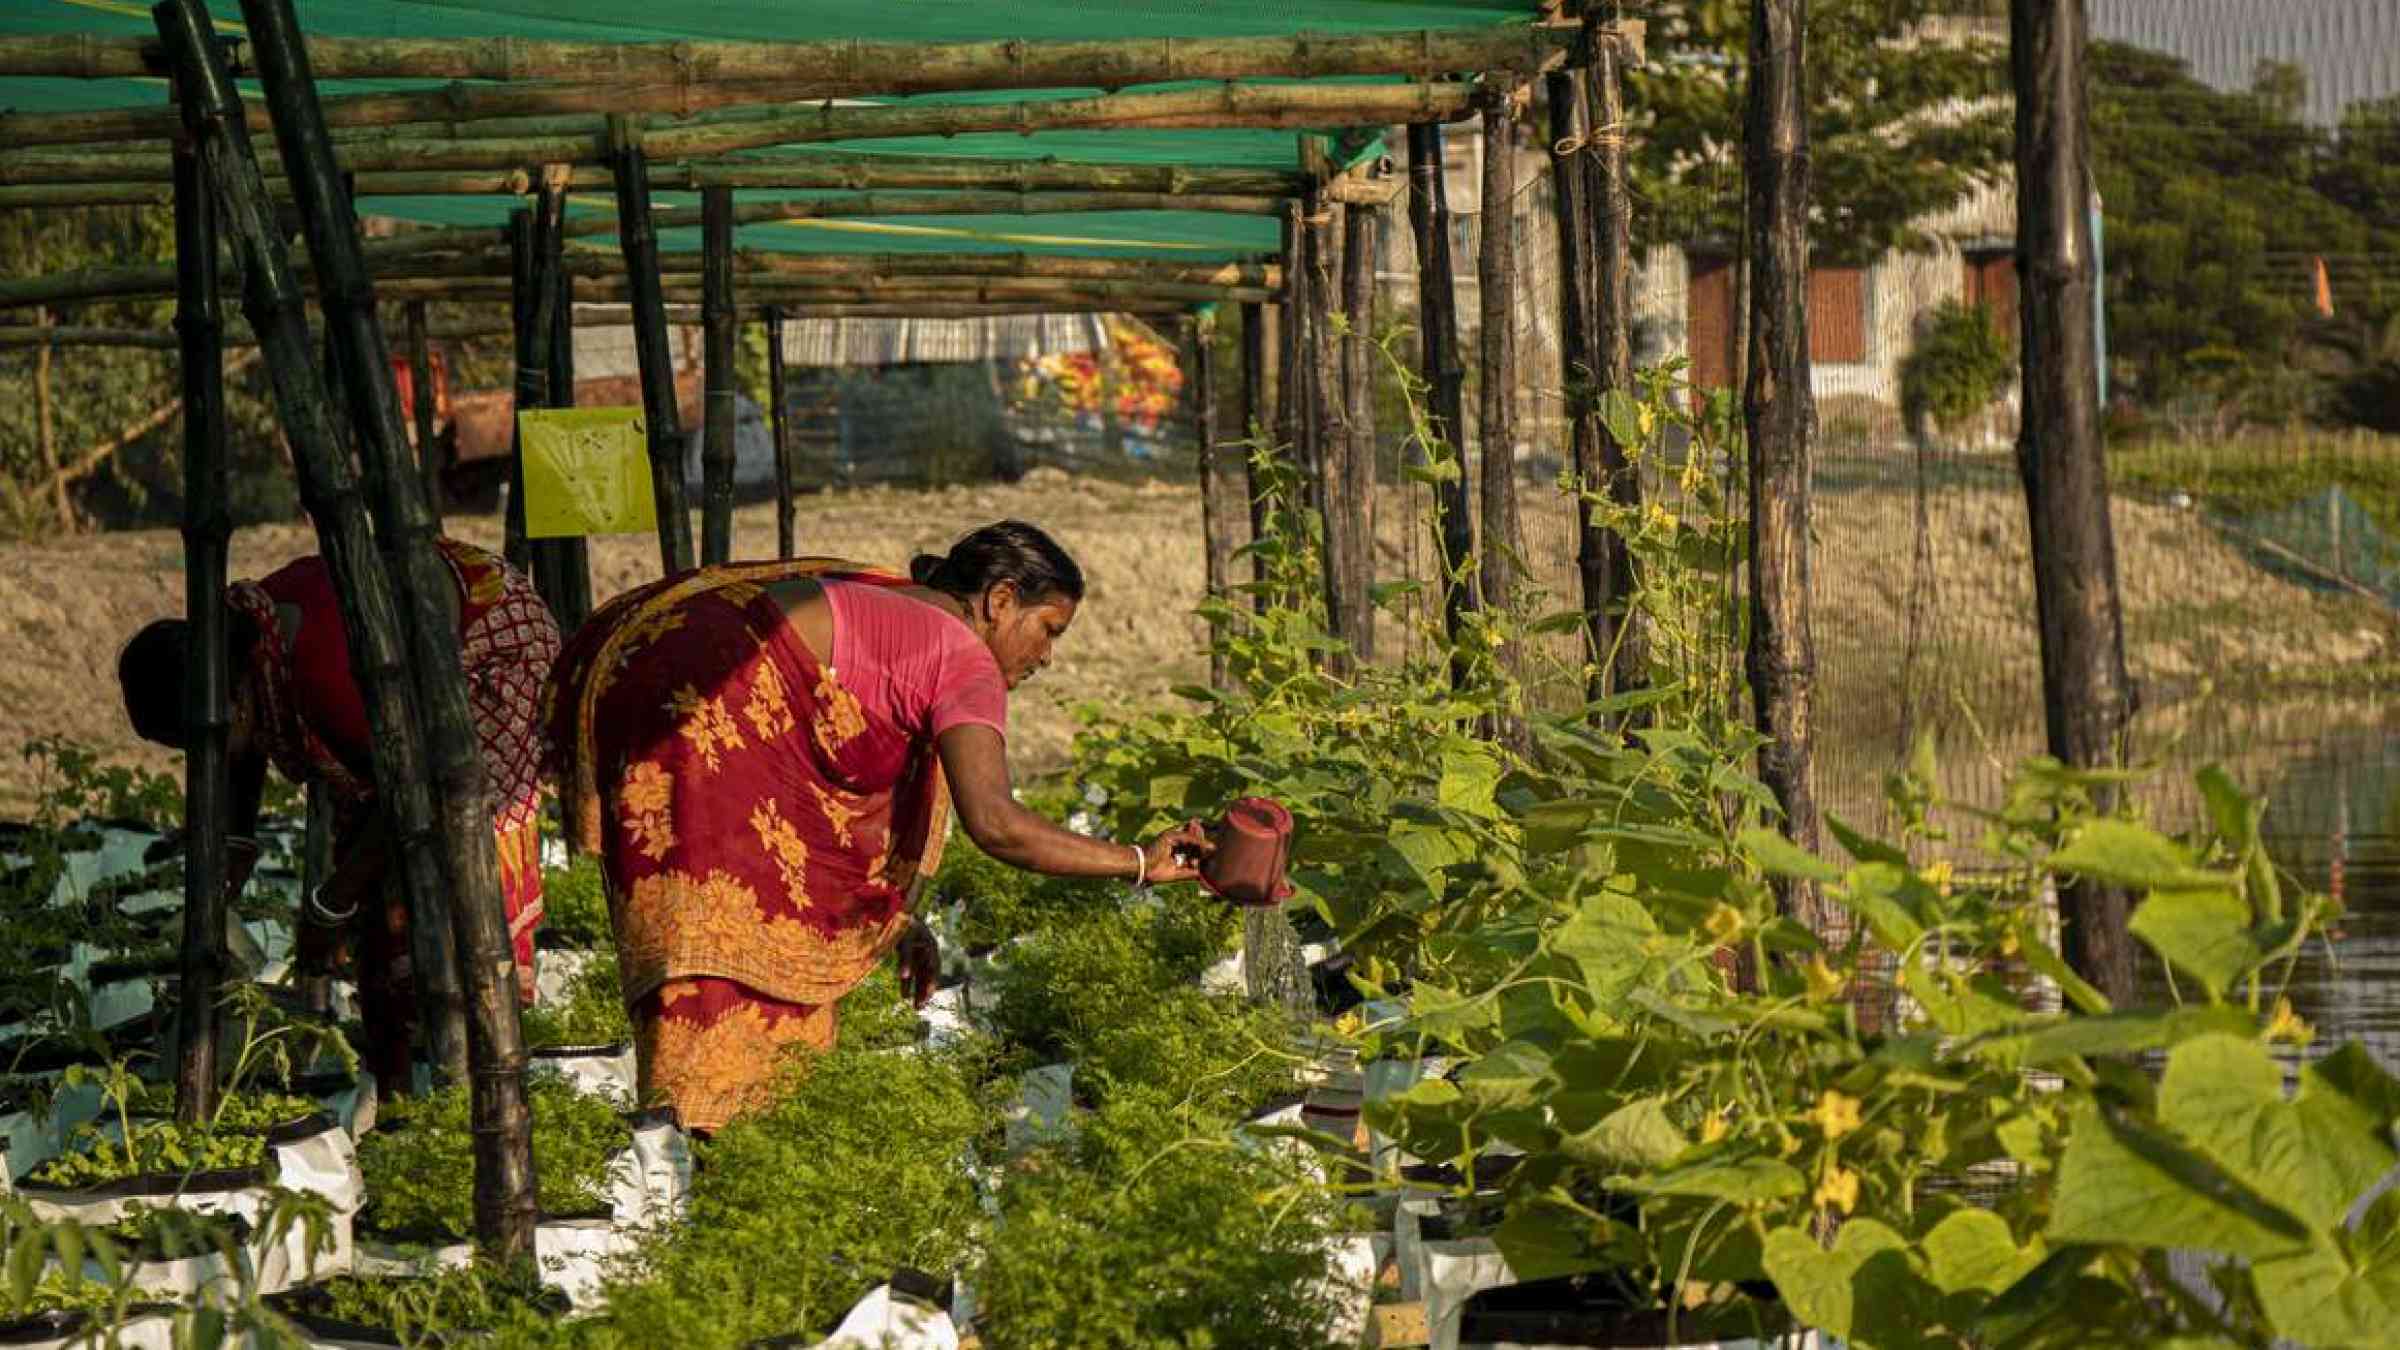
(2265, 471)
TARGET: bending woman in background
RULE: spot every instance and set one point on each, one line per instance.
(297, 706)
(763, 755)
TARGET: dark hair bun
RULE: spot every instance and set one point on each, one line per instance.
(924, 567)
(1007, 550)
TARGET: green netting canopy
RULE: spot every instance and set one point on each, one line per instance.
(1193, 236)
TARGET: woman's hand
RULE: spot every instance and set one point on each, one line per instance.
(919, 958)
(1176, 855)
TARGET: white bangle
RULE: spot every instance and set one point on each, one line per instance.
(1141, 867)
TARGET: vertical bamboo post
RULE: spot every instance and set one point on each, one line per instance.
(1258, 347)
(45, 428)
(787, 512)
(1777, 411)
(638, 236)
(1608, 203)
(460, 845)
(1495, 276)
(1291, 385)
(421, 400)
(207, 710)
(572, 559)
(1346, 614)
(1361, 240)
(716, 319)
(1445, 379)
(1578, 337)
(1217, 509)
(532, 384)
(2087, 697)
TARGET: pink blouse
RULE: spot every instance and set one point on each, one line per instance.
(913, 665)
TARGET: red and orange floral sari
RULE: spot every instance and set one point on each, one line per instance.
(759, 832)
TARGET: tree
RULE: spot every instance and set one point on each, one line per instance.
(1905, 118)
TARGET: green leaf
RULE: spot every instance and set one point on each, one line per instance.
(2320, 1298)
(1741, 1180)
(2127, 854)
(1622, 416)
(2050, 1040)
(1886, 898)
(1546, 1241)
(1819, 1285)
(2203, 933)
(2046, 961)
(1435, 471)
(1198, 693)
(1607, 940)
(1861, 847)
(1470, 774)
(1973, 1249)
(1506, 1077)
(1779, 856)
(1636, 1135)
(2122, 1182)
(2315, 1155)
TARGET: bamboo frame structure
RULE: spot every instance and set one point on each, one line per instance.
(1257, 414)
(716, 327)
(1362, 229)
(589, 140)
(1291, 387)
(1445, 380)
(1217, 508)
(787, 524)
(568, 559)
(638, 239)
(505, 1209)
(207, 697)
(1495, 276)
(421, 403)
(825, 69)
(1579, 339)
(1344, 557)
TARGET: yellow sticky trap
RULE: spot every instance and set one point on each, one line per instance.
(587, 471)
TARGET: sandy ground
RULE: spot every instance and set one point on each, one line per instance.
(2194, 608)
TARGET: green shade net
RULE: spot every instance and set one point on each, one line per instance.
(2326, 542)
(1169, 235)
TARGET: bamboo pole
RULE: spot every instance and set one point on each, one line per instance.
(207, 697)
(1291, 387)
(1778, 412)
(505, 1208)
(1363, 226)
(1579, 339)
(638, 239)
(1257, 401)
(826, 69)
(815, 170)
(1445, 378)
(716, 328)
(1344, 563)
(1608, 197)
(485, 252)
(787, 526)
(570, 557)
(2087, 697)
(685, 287)
(1495, 278)
(1216, 504)
(532, 384)
(45, 427)
(585, 140)
(421, 405)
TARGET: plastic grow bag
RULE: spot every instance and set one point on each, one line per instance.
(608, 1071)
(1588, 1310)
(146, 1327)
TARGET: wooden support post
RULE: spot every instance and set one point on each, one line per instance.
(1291, 389)
(787, 514)
(640, 243)
(2088, 700)
(1495, 276)
(532, 382)
(1344, 564)
(1445, 379)
(459, 844)
(1217, 508)
(1360, 240)
(1608, 201)
(45, 426)
(1778, 410)
(571, 558)
(1258, 347)
(207, 699)
(421, 405)
(1578, 322)
(716, 321)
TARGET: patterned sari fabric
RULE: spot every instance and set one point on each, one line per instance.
(758, 828)
(314, 725)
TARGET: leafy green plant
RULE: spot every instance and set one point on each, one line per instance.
(590, 1010)
(999, 902)
(449, 1307)
(419, 1159)
(1961, 363)
(875, 1016)
(575, 904)
(125, 1143)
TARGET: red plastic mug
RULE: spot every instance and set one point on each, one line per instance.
(1254, 845)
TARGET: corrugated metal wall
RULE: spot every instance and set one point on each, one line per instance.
(2350, 48)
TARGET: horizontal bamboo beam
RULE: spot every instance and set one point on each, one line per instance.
(848, 66)
(957, 290)
(820, 171)
(480, 252)
(1229, 105)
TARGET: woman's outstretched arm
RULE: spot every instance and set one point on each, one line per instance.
(976, 761)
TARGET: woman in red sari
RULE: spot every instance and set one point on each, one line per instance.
(764, 756)
(297, 706)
